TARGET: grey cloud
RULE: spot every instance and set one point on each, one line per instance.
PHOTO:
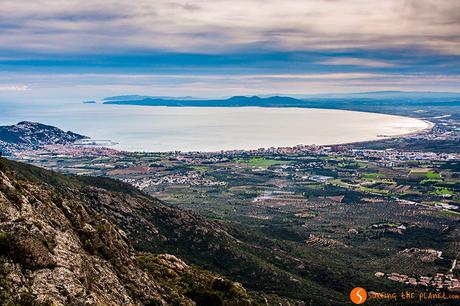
(218, 26)
(185, 6)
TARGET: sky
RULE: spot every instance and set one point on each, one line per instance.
(73, 50)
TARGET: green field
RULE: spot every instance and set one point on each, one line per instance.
(199, 168)
(432, 175)
(371, 175)
(442, 191)
(449, 213)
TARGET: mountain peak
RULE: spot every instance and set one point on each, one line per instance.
(245, 98)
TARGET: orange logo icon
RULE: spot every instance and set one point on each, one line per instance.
(358, 295)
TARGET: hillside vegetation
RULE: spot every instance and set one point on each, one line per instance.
(55, 249)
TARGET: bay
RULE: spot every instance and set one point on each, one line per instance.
(161, 129)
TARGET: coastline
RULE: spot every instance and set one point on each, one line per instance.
(430, 126)
(367, 129)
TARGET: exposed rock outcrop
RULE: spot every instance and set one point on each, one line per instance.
(56, 249)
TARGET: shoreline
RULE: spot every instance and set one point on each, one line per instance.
(429, 127)
(411, 129)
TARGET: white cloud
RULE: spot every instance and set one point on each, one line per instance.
(350, 61)
(13, 87)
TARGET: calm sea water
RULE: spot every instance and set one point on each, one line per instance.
(138, 128)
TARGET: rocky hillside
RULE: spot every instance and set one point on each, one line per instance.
(55, 249)
(270, 270)
(30, 135)
(252, 259)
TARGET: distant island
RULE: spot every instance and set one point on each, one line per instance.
(381, 101)
(236, 101)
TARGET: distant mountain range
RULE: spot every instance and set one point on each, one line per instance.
(31, 135)
(413, 104)
(139, 97)
(354, 101)
(230, 102)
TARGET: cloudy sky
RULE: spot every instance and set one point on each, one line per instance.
(83, 49)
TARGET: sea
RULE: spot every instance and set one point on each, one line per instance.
(210, 129)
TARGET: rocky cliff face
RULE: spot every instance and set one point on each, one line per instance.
(56, 249)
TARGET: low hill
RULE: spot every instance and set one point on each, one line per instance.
(230, 102)
(412, 104)
(31, 135)
(367, 101)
